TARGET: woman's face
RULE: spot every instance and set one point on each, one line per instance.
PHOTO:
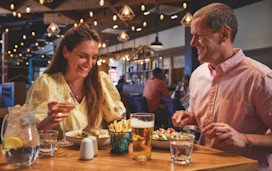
(81, 59)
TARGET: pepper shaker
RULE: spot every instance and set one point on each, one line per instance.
(95, 146)
(86, 149)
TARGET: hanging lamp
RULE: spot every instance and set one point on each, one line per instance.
(126, 13)
(123, 37)
(53, 29)
(156, 43)
(186, 20)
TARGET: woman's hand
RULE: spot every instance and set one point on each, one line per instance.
(225, 135)
(56, 115)
(53, 118)
(182, 117)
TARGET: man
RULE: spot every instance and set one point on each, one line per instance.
(230, 94)
(153, 91)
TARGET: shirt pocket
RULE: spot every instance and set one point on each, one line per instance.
(233, 112)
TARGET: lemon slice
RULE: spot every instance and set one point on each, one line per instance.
(13, 142)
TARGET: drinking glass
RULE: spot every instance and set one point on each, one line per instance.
(181, 147)
(48, 140)
(142, 125)
(65, 101)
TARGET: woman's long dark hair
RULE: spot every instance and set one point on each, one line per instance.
(72, 38)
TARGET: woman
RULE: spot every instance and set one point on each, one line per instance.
(74, 69)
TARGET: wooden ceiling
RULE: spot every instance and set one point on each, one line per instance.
(67, 12)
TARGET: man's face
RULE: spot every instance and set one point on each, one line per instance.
(206, 42)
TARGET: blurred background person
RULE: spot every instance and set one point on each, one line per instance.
(154, 89)
(182, 91)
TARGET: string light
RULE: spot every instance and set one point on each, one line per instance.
(143, 7)
(184, 5)
(12, 6)
(132, 28)
(81, 20)
(101, 2)
(114, 17)
(19, 15)
(24, 37)
(16, 46)
(91, 14)
(22, 43)
(95, 23)
(161, 17)
(14, 13)
(28, 50)
(33, 33)
(75, 25)
(6, 30)
(144, 23)
(115, 26)
(28, 9)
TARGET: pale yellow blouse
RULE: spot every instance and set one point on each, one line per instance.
(49, 87)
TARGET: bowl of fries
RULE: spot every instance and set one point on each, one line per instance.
(120, 133)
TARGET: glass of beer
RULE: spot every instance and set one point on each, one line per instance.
(142, 125)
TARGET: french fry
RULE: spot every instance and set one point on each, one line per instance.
(122, 126)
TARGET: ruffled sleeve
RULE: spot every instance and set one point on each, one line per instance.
(112, 106)
(39, 95)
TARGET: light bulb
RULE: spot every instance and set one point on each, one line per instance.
(144, 23)
(184, 5)
(28, 9)
(41, 1)
(161, 16)
(24, 37)
(114, 17)
(142, 7)
(22, 43)
(95, 23)
(81, 20)
(91, 14)
(132, 28)
(33, 33)
(12, 6)
(19, 15)
(101, 2)
(14, 13)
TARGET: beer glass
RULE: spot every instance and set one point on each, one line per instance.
(142, 125)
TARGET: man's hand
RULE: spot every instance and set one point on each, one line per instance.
(182, 117)
(225, 135)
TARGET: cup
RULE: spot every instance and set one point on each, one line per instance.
(86, 149)
(142, 125)
(48, 140)
(181, 147)
(119, 142)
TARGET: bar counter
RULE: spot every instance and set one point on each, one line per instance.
(203, 158)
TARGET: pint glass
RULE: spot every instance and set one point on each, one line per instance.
(142, 125)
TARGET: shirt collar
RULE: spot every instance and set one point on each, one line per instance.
(230, 63)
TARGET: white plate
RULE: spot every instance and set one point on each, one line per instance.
(163, 144)
(105, 141)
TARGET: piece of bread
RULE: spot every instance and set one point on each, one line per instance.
(92, 130)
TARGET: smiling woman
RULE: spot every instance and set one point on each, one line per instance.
(74, 69)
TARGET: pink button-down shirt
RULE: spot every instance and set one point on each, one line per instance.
(237, 92)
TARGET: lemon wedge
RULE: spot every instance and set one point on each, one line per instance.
(13, 142)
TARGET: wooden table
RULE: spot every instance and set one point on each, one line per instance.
(204, 158)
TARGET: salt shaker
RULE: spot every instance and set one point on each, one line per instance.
(86, 149)
(95, 146)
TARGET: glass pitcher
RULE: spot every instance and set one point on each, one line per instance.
(20, 138)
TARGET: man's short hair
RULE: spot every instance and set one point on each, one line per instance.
(219, 15)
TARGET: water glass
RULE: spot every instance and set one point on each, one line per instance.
(48, 140)
(181, 147)
(142, 125)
